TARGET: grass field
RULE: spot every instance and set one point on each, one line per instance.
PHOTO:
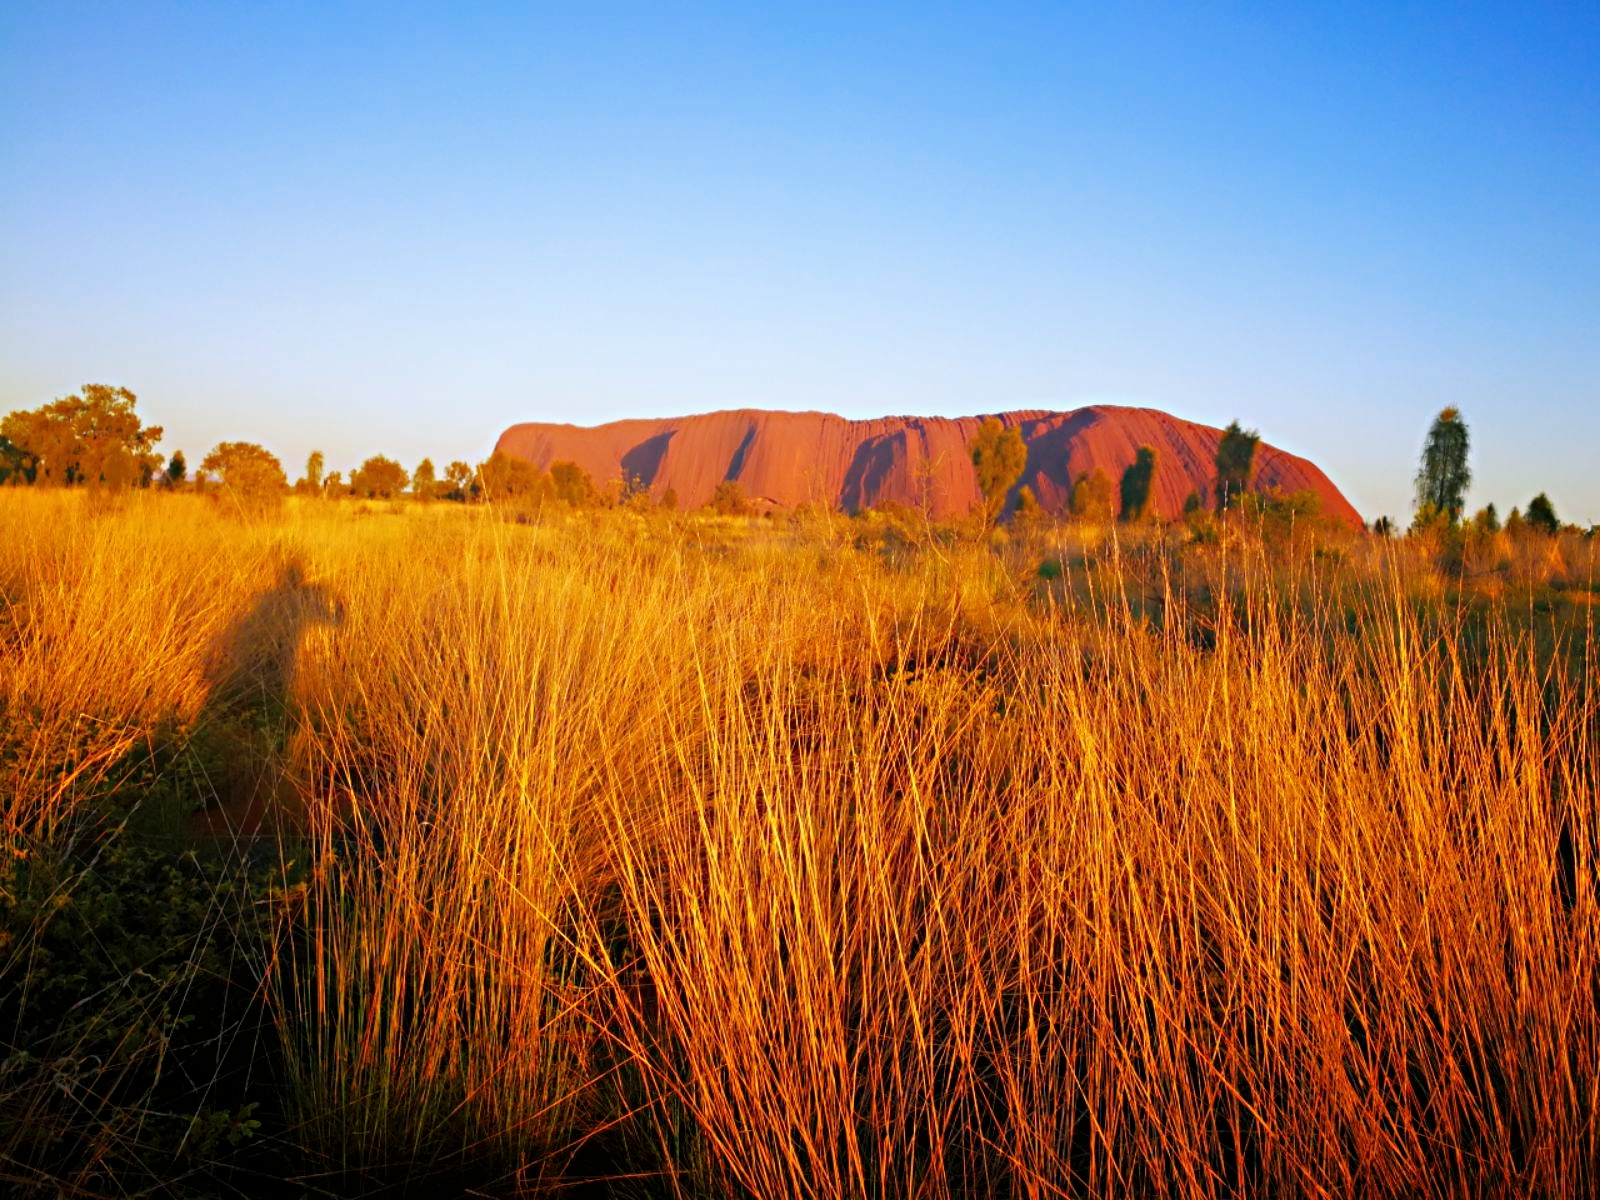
(360, 849)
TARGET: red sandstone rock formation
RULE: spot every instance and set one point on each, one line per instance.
(784, 459)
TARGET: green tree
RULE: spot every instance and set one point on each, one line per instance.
(1443, 476)
(1137, 482)
(1091, 497)
(1236, 464)
(424, 483)
(249, 477)
(379, 478)
(177, 470)
(1429, 521)
(94, 437)
(998, 456)
(1282, 519)
(1541, 515)
(573, 485)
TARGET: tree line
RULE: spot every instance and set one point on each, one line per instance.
(1444, 474)
(96, 439)
(999, 456)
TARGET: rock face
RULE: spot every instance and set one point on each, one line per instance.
(784, 459)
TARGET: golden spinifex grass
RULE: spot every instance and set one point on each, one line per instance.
(744, 860)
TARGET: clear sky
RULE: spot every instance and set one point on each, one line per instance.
(392, 229)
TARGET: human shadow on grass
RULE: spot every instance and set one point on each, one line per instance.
(249, 710)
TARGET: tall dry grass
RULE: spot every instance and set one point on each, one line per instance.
(742, 860)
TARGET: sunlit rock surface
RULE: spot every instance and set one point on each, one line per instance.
(784, 459)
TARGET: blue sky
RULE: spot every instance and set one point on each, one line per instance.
(392, 229)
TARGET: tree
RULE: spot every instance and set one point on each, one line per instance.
(1091, 497)
(1443, 476)
(311, 483)
(177, 469)
(1429, 521)
(1137, 481)
(998, 456)
(1029, 513)
(424, 484)
(459, 476)
(379, 478)
(251, 479)
(669, 499)
(16, 464)
(1541, 515)
(93, 438)
(573, 485)
(509, 480)
(1483, 548)
(1282, 518)
(729, 499)
(1236, 464)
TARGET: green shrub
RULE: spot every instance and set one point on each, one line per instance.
(127, 994)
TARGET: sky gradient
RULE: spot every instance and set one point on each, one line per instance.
(371, 229)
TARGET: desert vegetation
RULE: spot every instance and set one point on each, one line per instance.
(374, 848)
(362, 845)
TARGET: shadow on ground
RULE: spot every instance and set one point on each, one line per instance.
(249, 713)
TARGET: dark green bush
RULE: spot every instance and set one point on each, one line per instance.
(130, 1007)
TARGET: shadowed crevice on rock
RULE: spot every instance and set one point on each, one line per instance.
(866, 482)
(1050, 469)
(736, 465)
(644, 460)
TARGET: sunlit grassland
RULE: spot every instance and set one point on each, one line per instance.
(752, 858)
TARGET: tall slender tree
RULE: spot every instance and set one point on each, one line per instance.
(1444, 476)
(1137, 481)
(424, 483)
(1236, 464)
(311, 483)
